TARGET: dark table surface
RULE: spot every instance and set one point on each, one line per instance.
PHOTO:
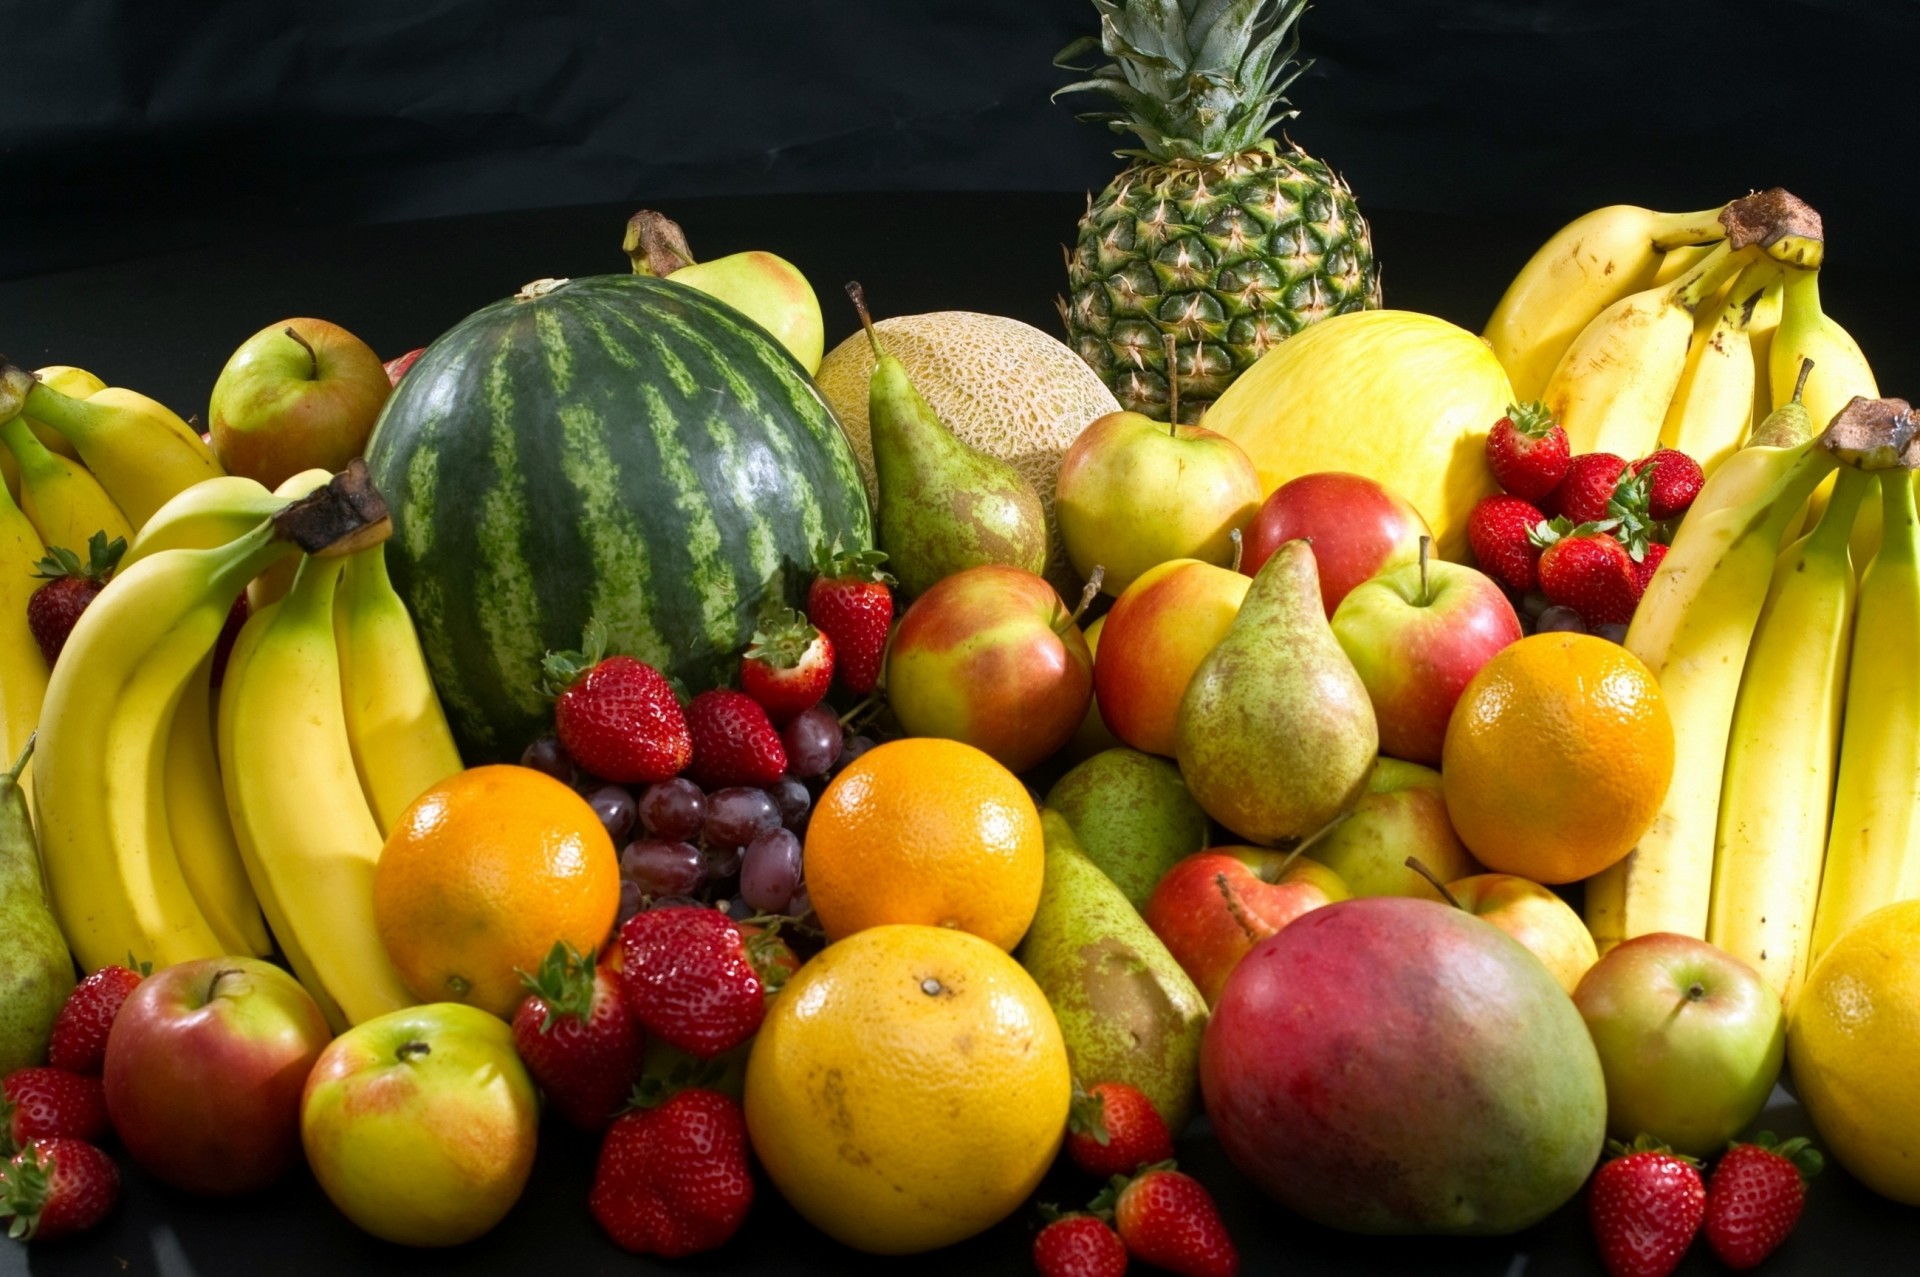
(165, 325)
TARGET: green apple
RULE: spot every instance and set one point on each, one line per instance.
(767, 289)
(420, 1124)
(1403, 813)
(301, 394)
(1135, 492)
(1536, 917)
(1133, 816)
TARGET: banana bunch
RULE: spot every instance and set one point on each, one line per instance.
(1642, 330)
(179, 820)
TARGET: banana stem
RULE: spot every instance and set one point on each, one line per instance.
(1677, 230)
(1704, 280)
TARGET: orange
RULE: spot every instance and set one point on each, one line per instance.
(908, 1089)
(482, 875)
(929, 831)
(1557, 757)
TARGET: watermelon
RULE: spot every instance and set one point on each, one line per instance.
(620, 447)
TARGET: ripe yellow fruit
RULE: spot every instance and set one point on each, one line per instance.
(908, 1089)
(1852, 1040)
(1403, 398)
(1001, 386)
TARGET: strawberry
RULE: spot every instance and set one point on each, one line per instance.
(79, 1037)
(1649, 564)
(1168, 1219)
(1079, 1245)
(1499, 530)
(1113, 1129)
(1645, 1206)
(852, 604)
(1676, 482)
(577, 1037)
(1527, 451)
(617, 716)
(56, 1188)
(1755, 1197)
(54, 609)
(674, 1180)
(45, 1103)
(1585, 569)
(1583, 492)
(734, 743)
(689, 977)
(788, 666)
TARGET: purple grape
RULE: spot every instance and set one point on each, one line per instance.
(801, 905)
(548, 755)
(722, 863)
(632, 901)
(770, 871)
(737, 815)
(856, 747)
(662, 868)
(616, 809)
(813, 741)
(1556, 619)
(793, 799)
(1613, 632)
(673, 809)
(1532, 604)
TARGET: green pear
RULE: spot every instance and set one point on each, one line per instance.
(1133, 816)
(943, 506)
(36, 972)
(766, 288)
(1126, 1009)
(1276, 734)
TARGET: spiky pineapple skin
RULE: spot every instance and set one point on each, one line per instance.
(1231, 256)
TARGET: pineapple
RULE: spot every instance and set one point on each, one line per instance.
(1215, 234)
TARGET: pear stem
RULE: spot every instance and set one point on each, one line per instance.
(1800, 382)
(859, 296)
(1418, 866)
(1173, 384)
(1426, 590)
(312, 359)
(1312, 838)
(1239, 548)
(1088, 593)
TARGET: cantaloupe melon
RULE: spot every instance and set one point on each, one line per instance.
(1000, 385)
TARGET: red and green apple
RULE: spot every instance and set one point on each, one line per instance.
(1359, 528)
(1213, 907)
(301, 394)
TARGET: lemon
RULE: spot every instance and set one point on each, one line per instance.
(908, 1089)
(1853, 1040)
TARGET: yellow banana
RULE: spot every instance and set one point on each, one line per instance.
(1713, 406)
(1760, 331)
(401, 743)
(273, 584)
(62, 500)
(211, 512)
(309, 839)
(1782, 752)
(1589, 264)
(1692, 629)
(1674, 263)
(117, 884)
(23, 671)
(1873, 850)
(202, 832)
(1840, 371)
(1612, 387)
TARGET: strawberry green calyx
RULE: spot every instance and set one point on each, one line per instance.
(687, 1074)
(564, 983)
(1087, 1115)
(1629, 510)
(1561, 528)
(24, 1193)
(103, 556)
(1799, 1151)
(1534, 420)
(860, 565)
(1644, 1143)
(783, 638)
(560, 670)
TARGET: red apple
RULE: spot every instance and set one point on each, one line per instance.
(992, 657)
(204, 1070)
(1155, 636)
(1416, 635)
(1211, 908)
(1534, 916)
(1691, 1039)
(1134, 492)
(1359, 528)
(301, 394)
(398, 365)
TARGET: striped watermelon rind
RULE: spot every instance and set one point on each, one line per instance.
(616, 446)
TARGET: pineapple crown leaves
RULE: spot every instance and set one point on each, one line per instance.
(1533, 420)
(103, 556)
(564, 982)
(1799, 1151)
(1194, 79)
(863, 565)
(1629, 509)
(782, 638)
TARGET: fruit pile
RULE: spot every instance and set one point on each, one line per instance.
(527, 724)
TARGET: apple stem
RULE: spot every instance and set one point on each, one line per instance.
(213, 985)
(1239, 549)
(1426, 592)
(1696, 991)
(312, 359)
(859, 296)
(1169, 344)
(1088, 593)
(411, 1050)
(1414, 863)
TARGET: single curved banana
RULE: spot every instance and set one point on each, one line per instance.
(210, 513)
(117, 884)
(202, 831)
(401, 743)
(68, 380)
(272, 585)
(1783, 749)
(309, 839)
(1840, 371)
(63, 501)
(1676, 262)
(1873, 849)
(1692, 629)
(1590, 263)
(1611, 389)
(1760, 331)
(1712, 408)
(23, 671)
